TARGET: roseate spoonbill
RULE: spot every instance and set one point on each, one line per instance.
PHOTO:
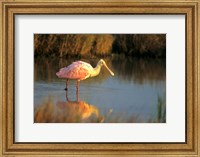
(80, 71)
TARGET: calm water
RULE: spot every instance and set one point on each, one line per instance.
(135, 94)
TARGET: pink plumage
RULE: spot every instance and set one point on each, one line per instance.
(77, 70)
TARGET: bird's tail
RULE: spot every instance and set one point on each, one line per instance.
(59, 74)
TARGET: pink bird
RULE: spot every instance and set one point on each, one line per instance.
(80, 71)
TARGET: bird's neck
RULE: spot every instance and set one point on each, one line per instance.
(96, 71)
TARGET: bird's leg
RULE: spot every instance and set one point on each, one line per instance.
(77, 99)
(77, 85)
(67, 82)
(67, 99)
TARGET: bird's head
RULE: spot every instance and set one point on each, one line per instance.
(102, 62)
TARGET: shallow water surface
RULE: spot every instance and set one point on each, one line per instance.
(135, 94)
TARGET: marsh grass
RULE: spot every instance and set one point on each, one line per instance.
(161, 111)
(160, 114)
(96, 45)
(61, 45)
(152, 45)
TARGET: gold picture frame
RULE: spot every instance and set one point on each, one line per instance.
(10, 8)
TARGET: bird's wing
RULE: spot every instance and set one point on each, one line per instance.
(79, 70)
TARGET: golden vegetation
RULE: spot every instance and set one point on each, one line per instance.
(62, 45)
(72, 45)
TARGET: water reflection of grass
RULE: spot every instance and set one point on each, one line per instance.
(45, 69)
(82, 112)
(139, 70)
(77, 112)
(126, 69)
(122, 118)
(66, 112)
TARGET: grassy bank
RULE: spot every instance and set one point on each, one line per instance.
(96, 45)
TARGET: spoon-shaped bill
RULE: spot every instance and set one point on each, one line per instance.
(109, 69)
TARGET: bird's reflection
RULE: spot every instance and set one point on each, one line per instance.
(68, 111)
(79, 110)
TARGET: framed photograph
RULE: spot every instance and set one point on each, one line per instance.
(99, 78)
